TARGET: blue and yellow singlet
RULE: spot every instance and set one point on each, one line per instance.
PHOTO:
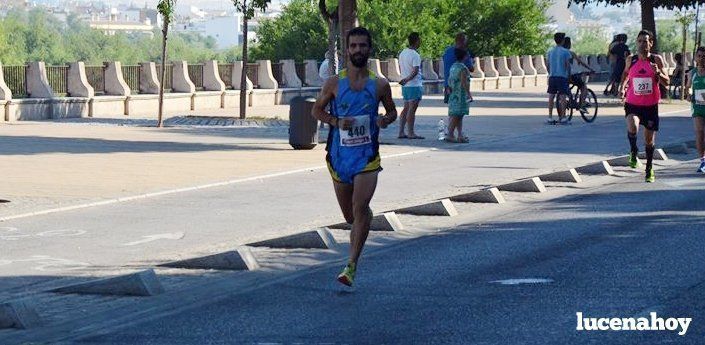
(354, 151)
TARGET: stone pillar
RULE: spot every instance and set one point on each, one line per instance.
(291, 79)
(594, 63)
(211, 77)
(180, 81)
(237, 75)
(115, 84)
(515, 67)
(488, 67)
(393, 71)
(604, 63)
(312, 76)
(441, 69)
(540, 65)
(37, 82)
(265, 76)
(688, 59)
(671, 58)
(528, 65)
(78, 85)
(374, 66)
(478, 73)
(502, 68)
(149, 82)
(427, 70)
(5, 92)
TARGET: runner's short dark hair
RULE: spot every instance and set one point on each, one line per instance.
(645, 33)
(359, 31)
(558, 37)
(414, 38)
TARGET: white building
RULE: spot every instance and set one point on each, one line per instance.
(225, 30)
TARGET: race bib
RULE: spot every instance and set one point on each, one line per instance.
(359, 134)
(643, 86)
(699, 97)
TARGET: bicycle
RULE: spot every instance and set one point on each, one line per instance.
(589, 111)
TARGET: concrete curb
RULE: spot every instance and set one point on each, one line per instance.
(387, 221)
(489, 196)
(621, 161)
(533, 184)
(235, 260)
(314, 239)
(18, 314)
(562, 176)
(144, 283)
(442, 207)
(599, 168)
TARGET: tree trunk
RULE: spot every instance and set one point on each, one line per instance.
(332, 47)
(165, 31)
(648, 22)
(685, 41)
(243, 76)
(347, 18)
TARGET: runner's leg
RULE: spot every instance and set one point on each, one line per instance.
(365, 185)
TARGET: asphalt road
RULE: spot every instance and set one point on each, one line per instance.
(618, 250)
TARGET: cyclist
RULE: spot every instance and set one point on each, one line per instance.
(577, 70)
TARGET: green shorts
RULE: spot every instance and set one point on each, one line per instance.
(697, 110)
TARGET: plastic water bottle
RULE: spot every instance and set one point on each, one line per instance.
(441, 130)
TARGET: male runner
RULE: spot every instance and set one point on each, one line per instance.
(642, 74)
(697, 82)
(353, 142)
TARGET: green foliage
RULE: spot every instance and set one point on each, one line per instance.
(299, 33)
(590, 41)
(39, 36)
(248, 7)
(670, 36)
(166, 8)
(494, 27)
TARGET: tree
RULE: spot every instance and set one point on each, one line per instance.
(347, 18)
(648, 21)
(684, 19)
(247, 8)
(166, 10)
(298, 33)
(329, 11)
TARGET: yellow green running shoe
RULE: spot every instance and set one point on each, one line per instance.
(650, 176)
(634, 161)
(347, 275)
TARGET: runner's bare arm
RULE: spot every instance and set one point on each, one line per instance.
(327, 94)
(384, 94)
(625, 74)
(661, 73)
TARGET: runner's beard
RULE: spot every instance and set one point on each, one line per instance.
(359, 60)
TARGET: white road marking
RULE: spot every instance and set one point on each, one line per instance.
(48, 263)
(151, 238)
(523, 281)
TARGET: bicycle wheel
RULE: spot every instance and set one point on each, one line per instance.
(590, 113)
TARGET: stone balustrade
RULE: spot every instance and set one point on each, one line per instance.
(221, 85)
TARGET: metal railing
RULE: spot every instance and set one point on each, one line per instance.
(96, 78)
(195, 73)
(168, 76)
(277, 72)
(16, 80)
(226, 74)
(58, 78)
(301, 72)
(131, 74)
(252, 72)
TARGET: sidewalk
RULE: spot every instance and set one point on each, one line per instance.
(49, 165)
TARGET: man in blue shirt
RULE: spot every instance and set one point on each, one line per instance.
(558, 73)
(461, 42)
